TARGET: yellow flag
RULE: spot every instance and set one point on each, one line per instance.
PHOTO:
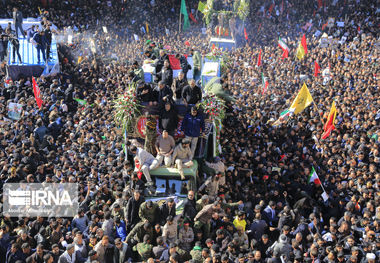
(300, 52)
(302, 100)
(80, 58)
(147, 27)
(39, 10)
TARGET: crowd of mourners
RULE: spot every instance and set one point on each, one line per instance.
(258, 205)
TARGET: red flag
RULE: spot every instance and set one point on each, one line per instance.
(319, 4)
(316, 69)
(285, 54)
(187, 43)
(303, 43)
(329, 125)
(270, 9)
(358, 28)
(328, 132)
(259, 59)
(37, 93)
(245, 34)
(193, 18)
(174, 63)
(213, 47)
(324, 26)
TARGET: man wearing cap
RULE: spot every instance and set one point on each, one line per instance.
(283, 247)
(182, 156)
(196, 252)
(193, 125)
(186, 236)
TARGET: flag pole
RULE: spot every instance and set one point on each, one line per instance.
(179, 25)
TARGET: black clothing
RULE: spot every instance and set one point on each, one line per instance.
(192, 95)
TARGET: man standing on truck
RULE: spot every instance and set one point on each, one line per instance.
(193, 124)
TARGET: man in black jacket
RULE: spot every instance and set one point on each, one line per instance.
(192, 94)
(185, 66)
(144, 92)
(164, 93)
(160, 62)
(132, 210)
(167, 209)
(166, 74)
(17, 21)
(16, 48)
(168, 119)
(40, 40)
(189, 207)
(178, 85)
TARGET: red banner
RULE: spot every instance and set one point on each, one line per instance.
(37, 93)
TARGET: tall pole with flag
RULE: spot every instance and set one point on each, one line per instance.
(183, 11)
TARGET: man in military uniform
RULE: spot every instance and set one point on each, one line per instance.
(138, 71)
(149, 211)
(197, 64)
(196, 252)
(145, 249)
(138, 232)
(150, 134)
(183, 254)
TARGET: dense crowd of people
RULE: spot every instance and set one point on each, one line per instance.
(257, 204)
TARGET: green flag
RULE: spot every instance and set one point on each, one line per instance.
(201, 6)
(183, 11)
(81, 102)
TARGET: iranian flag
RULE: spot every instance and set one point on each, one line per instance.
(176, 65)
(284, 48)
(265, 83)
(313, 178)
